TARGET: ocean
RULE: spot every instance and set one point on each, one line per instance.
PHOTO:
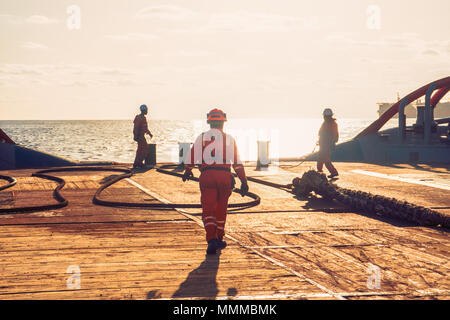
(112, 140)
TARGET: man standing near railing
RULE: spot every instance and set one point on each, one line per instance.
(139, 131)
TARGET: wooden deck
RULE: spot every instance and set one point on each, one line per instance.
(283, 249)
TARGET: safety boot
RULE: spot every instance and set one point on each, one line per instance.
(221, 244)
(212, 246)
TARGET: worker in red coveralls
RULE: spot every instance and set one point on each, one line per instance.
(139, 131)
(328, 136)
(214, 152)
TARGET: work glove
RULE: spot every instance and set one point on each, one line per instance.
(187, 174)
(244, 188)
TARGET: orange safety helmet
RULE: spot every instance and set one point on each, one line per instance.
(216, 114)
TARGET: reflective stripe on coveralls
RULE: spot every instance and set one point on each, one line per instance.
(215, 152)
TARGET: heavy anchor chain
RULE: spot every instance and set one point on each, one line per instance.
(313, 181)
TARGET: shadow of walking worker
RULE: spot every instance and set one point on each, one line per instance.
(201, 282)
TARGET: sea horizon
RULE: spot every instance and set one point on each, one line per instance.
(112, 140)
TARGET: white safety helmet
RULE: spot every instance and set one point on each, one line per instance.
(327, 112)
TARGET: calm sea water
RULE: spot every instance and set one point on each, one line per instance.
(112, 140)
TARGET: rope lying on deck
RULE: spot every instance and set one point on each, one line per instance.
(311, 181)
(367, 202)
(126, 173)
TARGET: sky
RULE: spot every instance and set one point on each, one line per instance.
(102, 59)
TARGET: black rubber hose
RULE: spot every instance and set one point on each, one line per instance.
(61, 201)
(12, 181)
(271, 184)
(126, 173)
(163, 168)
(300, 163)
(241, 206)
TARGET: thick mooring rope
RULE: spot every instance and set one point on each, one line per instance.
(367, 202)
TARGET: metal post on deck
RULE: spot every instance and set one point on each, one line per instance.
(402, 120)
(150, 159)
(263, 155)
(428, 114)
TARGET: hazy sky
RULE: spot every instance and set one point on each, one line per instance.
(253, 58)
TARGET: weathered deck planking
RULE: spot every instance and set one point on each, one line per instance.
(283, 249)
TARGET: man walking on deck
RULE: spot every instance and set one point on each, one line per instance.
(214, 152)
(328, 137)
(139, 131)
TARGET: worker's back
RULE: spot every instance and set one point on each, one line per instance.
(328, 133)
(215, 148)
(140, 126)
(215, 151)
